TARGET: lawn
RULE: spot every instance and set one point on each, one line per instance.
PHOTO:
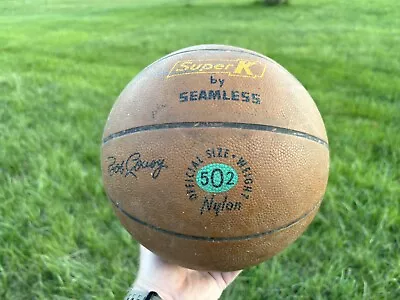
(62, 65)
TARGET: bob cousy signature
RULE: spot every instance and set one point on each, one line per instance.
(133, 164)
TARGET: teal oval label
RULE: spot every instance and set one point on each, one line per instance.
(216, 178)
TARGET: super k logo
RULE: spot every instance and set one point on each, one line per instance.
(238, 67)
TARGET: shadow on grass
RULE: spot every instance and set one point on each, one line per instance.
(256, 4)
(270, 4)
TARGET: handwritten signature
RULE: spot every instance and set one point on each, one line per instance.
(133, 164)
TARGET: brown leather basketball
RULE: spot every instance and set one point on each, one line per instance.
(215, 158)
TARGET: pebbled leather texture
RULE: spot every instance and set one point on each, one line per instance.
(174, 128)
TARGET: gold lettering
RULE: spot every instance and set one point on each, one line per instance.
(185, 67)
(240, 67)
(206, 67)
(244, 65)
(195, 67)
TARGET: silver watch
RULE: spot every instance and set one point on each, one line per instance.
(140, 295)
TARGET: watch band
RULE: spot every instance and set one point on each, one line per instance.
(139, 295)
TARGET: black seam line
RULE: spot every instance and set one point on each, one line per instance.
(217, 239)
(214, 49)
(235, 125)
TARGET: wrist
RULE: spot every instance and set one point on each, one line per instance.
(146, 287)
(135, 294)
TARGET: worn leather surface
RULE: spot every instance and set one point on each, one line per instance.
(171, 121)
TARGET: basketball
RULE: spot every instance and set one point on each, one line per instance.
(215, 158)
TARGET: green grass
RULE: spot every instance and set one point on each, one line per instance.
(62, 64)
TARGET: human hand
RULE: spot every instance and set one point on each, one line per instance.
(174, 282)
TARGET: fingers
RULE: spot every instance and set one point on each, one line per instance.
(228, 277)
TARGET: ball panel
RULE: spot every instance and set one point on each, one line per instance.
(280, 178)
(201, 255)
(272, 98)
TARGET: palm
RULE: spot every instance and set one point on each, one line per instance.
(175, 282)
